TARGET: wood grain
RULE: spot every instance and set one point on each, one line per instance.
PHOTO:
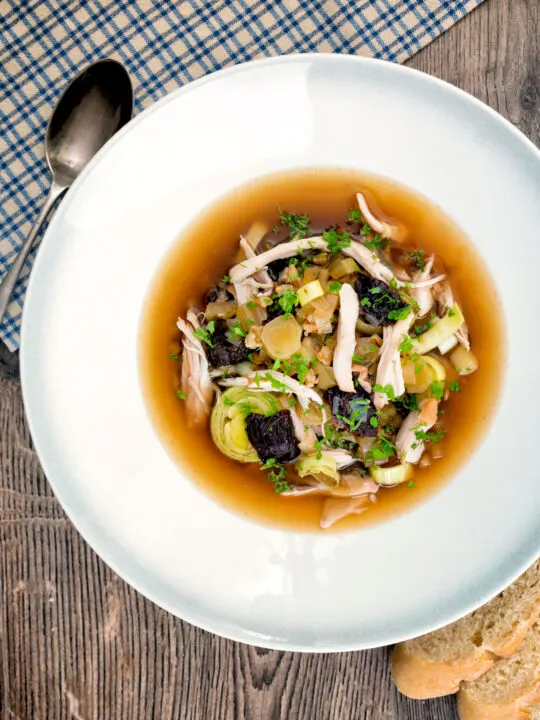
(76, 643)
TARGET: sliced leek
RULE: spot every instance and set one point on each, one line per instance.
(389, 476)
(340, 268)
(440, 331)
(282, 337)
(228, 424)
(309, 292)
(322, 468)
(448, 345)
(464, 361)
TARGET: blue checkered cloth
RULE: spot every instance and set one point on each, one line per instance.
(45, 43)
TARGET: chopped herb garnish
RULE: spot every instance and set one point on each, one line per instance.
(381, 449)
(436, 389)
(418, 368)
(400, 314)
(276, 475)
(411, 484)
(298, 224)
(451, 312)
(455, 386)
(336, 241)
(417, 258)
(288, 301)
(204, 334)
(174, 356)
(292, 402)
(226, 279)
(180, 395)
(366, 230)
(237, 330)
(359, 413)
(377, 243)
(374, 421)
(366, 302)
(250, 304)
(406, 345)
(434, 437)
(388, 390)
(334, 286)
(355, 215)
(418, 329)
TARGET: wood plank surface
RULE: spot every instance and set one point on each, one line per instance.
(77, 643)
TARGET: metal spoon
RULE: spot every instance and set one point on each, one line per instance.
(96, 104)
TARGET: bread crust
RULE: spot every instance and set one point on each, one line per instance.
(421, 679)
(519, 709)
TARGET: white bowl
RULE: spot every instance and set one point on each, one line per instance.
(79, 355)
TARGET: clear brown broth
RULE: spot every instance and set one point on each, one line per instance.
(205, 252)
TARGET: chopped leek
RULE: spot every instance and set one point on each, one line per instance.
(282, 337)
(325, 376)
(340, 268)
(389, 476)
(440, 331)
(310, 292)
(228, 424)
(367, 329)
(447, 345)
(322, 468)
(420, 374)
(436, 366)
(223, 310)
(464, 361)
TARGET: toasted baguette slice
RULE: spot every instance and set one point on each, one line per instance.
(435, 664)
(509, 689)
(534, 712)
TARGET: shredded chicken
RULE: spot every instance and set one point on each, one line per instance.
(195, 380)
(362, 374)
(253, 339)
(349, 486)
(423, 295)
(261, 276)
(335, 509)
(346, 337)
(410, 447)
(342, 457)
(272, 381)
(243, 270)
(445, 300)
(389, 370)
(382, 228)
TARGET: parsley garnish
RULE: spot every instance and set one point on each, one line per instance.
(381, 449)
(180, 395)
(334, 286)
(288, 301)
(360, 409)
(418, 329)
(238, 330)
(455, 386)
(250, 304)
(366, 302)
(377, 243)
(336, 241)
(451, 312)
(298, 224)
(434, 437)
(411, 484)
(355, 215)
(226, 279)
(388, 390)
(400, 314)
(205, 333)
(276, 475)
(406, 345)
(417, 258)
(437, 389)
(174, 356)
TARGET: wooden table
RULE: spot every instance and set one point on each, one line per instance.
(77, 643)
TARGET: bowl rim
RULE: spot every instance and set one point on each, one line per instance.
(97, 540)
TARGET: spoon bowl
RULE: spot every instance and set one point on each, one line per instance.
(92, 108)
(95, 105)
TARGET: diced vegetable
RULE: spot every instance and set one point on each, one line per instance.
(342, 267)
(440, 331)
(464, 361)
(389, 476)
(282, 337)
(310, 347)
(309, 292)
(366, 329)
(439, 371)
(324, 468)
(447, 345)
(325, 376)
(366, 350)
(421, 373)
(251, 314)
(227, 423)
(221, 310)
(322, 308)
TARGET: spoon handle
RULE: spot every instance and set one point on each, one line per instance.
(10, 278)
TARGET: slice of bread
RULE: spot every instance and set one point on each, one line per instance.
(509, 689)
(435, 664)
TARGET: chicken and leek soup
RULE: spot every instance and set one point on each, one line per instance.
(321, 349)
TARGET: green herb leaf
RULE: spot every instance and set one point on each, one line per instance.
(436, 389)
(336, 241)
(237, 330)
(226, 279)
(417, 258)
(334, 286)
(377, 243)
(400, 314)
(180, 395)
(388, 390)
(288, 301)
(406, 345)
(204, 334)
(174, 356)
(276, 475)
(355, 215)
(298, 224)
(455, 386)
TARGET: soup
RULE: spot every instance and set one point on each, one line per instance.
(321, 349)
